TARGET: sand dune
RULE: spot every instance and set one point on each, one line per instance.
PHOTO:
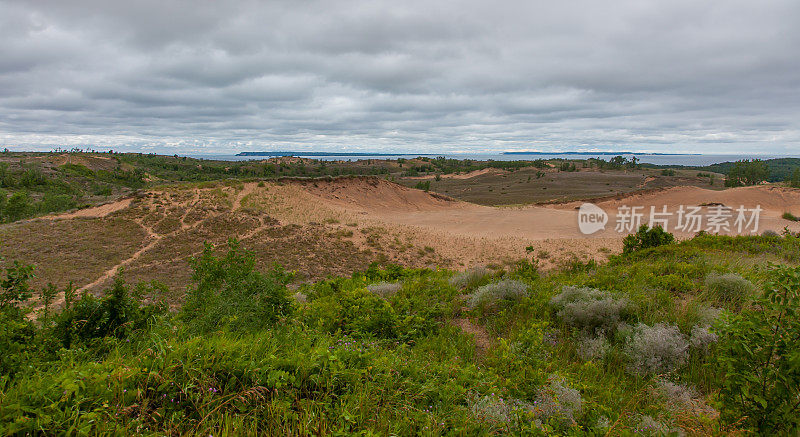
(770, 198)
(392, 203)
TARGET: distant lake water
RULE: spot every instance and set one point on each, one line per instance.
(688, 160)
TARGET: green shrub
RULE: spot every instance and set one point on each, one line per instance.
(18, 206)
(760, 356)
(425, 186)
(645, 238)
(228, 293)
(55, 203)
(356, 312)
(117, 314)
(789, 216)
(794, 182)
(16, 331)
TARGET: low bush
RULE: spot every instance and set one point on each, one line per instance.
(384, 289)
(593, 348)
(557, 402)
(589, 309)
(679, 398)
(702, 338)
(791, 217)
(117, 314)
(729, 288)
(657, 349)
(498, 410)
(495, 292)
(650, 426)
(355, 312)
(228, 293)
(470, 278)
(646, 238)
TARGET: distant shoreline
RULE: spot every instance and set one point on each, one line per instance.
(356, 154)
(330, 154)
(599, 153)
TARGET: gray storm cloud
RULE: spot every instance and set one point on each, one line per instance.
(716, 76)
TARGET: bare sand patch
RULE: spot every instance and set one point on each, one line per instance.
(93, 212)
(773, 200)
(467, 175)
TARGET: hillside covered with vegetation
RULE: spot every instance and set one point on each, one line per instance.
(699, 337)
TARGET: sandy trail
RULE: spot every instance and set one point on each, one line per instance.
(468, 175)
(93, 212)
(249, 188)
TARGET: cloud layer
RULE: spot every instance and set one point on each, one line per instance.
(719, 76)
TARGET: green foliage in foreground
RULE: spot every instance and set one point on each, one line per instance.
(656, 341)
(761, 358)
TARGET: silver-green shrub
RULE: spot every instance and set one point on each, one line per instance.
(498, 410)
(589, 309)
(557, 401)
(657, 349)
(469, 278)
(702, 337)
(384, 289)
(506, 289)
(593, 348)
(651, 427)
(729, 287)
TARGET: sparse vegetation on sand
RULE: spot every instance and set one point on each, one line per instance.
(676, 338)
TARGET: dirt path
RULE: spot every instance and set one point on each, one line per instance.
(248, 189)
(110, 273)
(483, 341)
(93, 212)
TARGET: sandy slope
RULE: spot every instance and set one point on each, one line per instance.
(467, 175)
(93, 212)
(554, 227)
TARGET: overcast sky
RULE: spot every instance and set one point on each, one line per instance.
(718, 76)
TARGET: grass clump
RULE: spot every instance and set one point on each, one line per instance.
(384, 289)
(655, 350)
(495, 292)
(729, 288)
(791, 217)
(470, 278)
(557, 402)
